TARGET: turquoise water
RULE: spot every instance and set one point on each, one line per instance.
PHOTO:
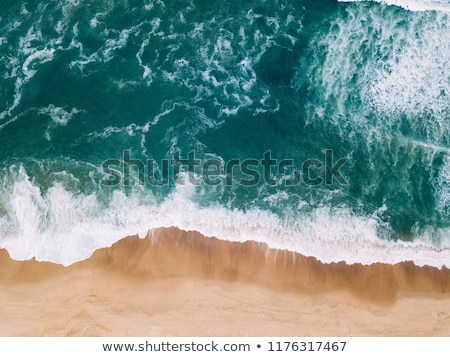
(361, 85)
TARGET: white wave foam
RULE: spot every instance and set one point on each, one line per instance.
(147, 75)
(24, 62)
(415, 79)
(443, 189)
(221, 69)
(59, 116)
(68, 6)
(413, 5)
(61, 227)
(398, 67)
(113, 40)
(64, 228)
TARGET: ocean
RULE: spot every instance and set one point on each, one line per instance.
(319, 127)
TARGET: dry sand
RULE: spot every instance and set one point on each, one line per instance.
(177, 283)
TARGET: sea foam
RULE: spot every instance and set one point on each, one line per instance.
(413, 5)
(63, 227)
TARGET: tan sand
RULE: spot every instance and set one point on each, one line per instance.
(179, 283)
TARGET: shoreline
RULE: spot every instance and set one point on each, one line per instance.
(177, 283)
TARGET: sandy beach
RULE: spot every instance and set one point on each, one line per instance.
(176, 283)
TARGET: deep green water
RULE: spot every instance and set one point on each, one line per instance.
(81, 81)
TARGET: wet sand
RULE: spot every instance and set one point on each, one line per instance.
(176, 283)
